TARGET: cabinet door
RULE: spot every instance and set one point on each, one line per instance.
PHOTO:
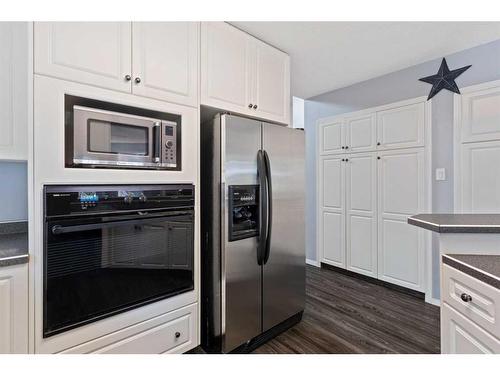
(401, 127)
(14, 309)
(401, 193)
(225, 67)
(94, 53)
(165, 59)
(361, 133)
(271, 83)
(481, 177)
(460, 336)
(361, 219)
(332, 220)
(481, 115)
(332, 137)
(14, 44)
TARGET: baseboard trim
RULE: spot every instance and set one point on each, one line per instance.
(314, 263)
(433, 301)
(369, 279)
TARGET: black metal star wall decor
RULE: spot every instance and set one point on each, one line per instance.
(444, 79)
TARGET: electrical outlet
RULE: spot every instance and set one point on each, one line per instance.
(440, 174)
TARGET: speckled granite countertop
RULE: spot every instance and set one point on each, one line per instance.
(482, 267)
(13, 243)
(457, 223)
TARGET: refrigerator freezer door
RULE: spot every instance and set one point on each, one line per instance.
(241, 275)
(284, 272)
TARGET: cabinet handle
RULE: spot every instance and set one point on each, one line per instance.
(466, 297)
(346, 147)
(128, 77)
(250, 105)
(177, 335)
(137, 79)
(255, 106)
(346, 160)
(343, 147)
(378, 143)
(378, 157)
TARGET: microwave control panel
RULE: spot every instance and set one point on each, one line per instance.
(169, 144)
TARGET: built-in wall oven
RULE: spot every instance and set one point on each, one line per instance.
(108, 135)
(112, 248)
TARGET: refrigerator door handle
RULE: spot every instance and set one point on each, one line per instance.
(263, 207)
(269, 204)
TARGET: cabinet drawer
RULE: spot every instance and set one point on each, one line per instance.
(460, 335)
(173, 332)
(160, 339)
(483, 308)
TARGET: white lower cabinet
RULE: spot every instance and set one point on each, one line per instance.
(173, 332)
(401, 193)
(365, 200)
(361, 213)
(459, 335)
(14, 309)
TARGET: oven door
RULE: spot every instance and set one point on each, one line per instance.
(97, 267)
(104, 138)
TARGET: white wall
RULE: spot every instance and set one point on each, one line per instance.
(298, 113)
(401, 85)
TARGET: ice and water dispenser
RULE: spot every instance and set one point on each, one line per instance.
(243, 211)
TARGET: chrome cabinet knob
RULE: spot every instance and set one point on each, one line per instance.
(128, 77)
(255, 106)
(137, 80)
(250, 105)
(466, 297)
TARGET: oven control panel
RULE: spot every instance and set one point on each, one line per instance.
(169, 144)
(78, 200)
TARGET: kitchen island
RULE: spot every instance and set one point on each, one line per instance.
(469, 246)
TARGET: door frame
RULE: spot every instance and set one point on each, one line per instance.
(428, 263)
(457, 140)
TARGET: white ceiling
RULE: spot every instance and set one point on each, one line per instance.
(330, 55)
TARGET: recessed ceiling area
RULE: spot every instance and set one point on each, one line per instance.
(329, 55)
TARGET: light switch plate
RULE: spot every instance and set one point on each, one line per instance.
(440, 174)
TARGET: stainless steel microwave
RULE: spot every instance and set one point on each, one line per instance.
(108, 139)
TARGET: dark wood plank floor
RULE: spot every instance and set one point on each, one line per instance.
(347, 315)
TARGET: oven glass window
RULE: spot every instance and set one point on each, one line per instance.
(96, 268)
(114, 138)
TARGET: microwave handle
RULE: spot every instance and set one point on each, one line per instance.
(156, 142)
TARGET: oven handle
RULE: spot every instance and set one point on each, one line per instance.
(60, 229)
(156, 142)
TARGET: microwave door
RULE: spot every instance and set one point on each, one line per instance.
(106, 138)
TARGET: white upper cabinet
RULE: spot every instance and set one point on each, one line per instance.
(272, 83)
(361, 133)
(14, 67)
(242, 74)
(401, 127)
(481, 115)
(331, 137)
(165, 61)
(153, 59)
(225, 67)
(94, 53)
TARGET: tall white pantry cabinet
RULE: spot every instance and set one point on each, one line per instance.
(371, 176)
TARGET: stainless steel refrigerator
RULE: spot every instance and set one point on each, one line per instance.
(253, 250)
